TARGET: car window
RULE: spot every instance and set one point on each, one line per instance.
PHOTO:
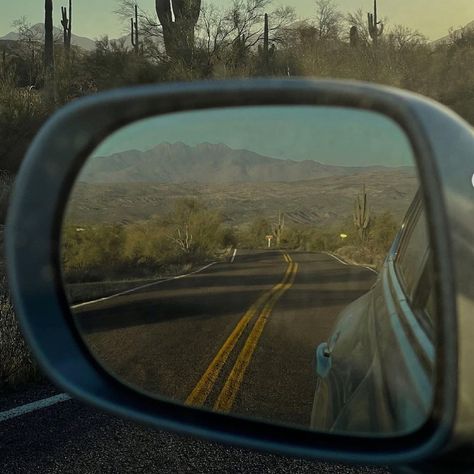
(415, 268)
(413, 251)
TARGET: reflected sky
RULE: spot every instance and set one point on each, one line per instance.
(330, 135)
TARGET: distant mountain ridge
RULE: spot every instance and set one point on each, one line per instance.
(80, 41)
(447, 38)
(206, 163)
(89, 44)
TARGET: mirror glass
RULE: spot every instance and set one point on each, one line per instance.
(266, 262)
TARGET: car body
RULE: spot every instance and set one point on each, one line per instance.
(375, 373)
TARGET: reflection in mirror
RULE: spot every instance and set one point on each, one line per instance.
(268, 262)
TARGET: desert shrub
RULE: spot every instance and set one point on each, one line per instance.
(197, 232)
(189, 235)
(92, 252)
(148, 243)
(361, 255)
(253, 234)
(382, 231)
(16, 363)
(22, 112)
(6, 183)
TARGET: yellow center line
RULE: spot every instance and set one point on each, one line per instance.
(205, 384)
(231, 387)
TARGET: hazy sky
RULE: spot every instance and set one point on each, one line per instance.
(94, 18)
(330, 135)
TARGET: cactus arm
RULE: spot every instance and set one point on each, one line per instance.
(187, 10)
(163, 10)
(376, 27)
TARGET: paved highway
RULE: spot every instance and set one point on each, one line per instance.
(236, 337)
(165, 338)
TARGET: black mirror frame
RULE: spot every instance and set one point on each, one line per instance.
(33, 235)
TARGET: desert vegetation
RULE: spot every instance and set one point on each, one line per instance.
(204, 40)
(193, 234)
(16, 363)
(188, 236)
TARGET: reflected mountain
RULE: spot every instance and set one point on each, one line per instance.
(209, 163)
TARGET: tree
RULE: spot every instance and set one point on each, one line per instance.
(27, 57)
(246, 19)
(356, 19)
(328, 20)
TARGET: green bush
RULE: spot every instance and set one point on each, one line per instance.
(187, 236)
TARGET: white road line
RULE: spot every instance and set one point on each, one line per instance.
(142, 287)
(30, 407)
(353, 264)
(337, 258)
(233, 256)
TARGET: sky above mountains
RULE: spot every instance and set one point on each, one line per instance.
(329, 135)
(93, 18)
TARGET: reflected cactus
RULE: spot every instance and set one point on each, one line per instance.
(178, 19)
(362, 215)
(278, 228)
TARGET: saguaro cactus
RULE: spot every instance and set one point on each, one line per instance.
(67, 26)
(134, 31)
(362, 215)
(266, 41)
(375, 27)
(178, 19)
(48, 36)
(49, 79)
(354, 37)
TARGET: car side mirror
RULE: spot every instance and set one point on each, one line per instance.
(177, 254)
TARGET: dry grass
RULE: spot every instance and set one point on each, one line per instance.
(16, 363)
(6, 182)
(359, 255)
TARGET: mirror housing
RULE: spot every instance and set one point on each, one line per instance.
(443, 145)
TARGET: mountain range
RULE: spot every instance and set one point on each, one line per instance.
(445, 39)
(320, 202)
(207, 163)
(89, 44)
(80, 41)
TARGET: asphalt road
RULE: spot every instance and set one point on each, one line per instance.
(237, 337)
(70, 438)
(180, 320)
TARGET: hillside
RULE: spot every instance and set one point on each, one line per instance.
(81, 41)
(455, 33)
(320, 202)
(206, 163)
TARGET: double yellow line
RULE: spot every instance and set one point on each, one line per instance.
(263, 307)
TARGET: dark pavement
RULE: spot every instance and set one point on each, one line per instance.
(245, 331)
(169, 344)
